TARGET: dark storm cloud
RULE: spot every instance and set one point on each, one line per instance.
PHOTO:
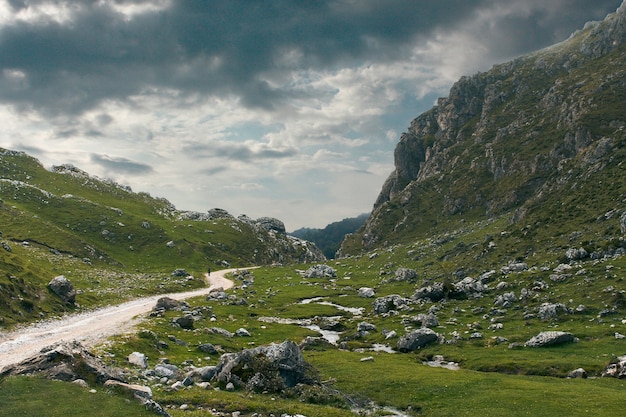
(238, 151)
(545, 23)
(121, 165)
(235, 48)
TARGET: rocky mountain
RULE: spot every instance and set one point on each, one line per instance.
(64, 221)
(539, 140)
(330, 237)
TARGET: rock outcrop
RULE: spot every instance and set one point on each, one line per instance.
(550, 338)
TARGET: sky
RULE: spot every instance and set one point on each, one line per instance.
(280, 108)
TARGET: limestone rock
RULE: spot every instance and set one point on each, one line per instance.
(66, 362)
(550, 338)
(417, 339)
(63, 288)
(271, 224)
(320, 271)
(269, 368)
(366, 292)
(138, 359)
(391, 302)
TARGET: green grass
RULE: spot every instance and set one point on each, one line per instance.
(32, 396)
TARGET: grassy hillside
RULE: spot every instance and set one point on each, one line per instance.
(110, 242)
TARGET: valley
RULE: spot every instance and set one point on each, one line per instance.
(488, 279)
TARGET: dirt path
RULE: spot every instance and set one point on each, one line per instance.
(91, 327)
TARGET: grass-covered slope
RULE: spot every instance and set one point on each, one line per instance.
(540, 139)
(110, 242)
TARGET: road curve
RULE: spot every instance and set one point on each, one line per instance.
(94, 326)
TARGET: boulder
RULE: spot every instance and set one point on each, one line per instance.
(391, 302)
(320, 271)
(208, 348)
(617, 368)
(166, 370)
(469, 286)
(138, 359)
(417, 339)
(622, 223)
(166, 303)
(65, 361)
(549, 311)
(271, 224)
(241, 332)
(577, 373)
(180, 273)
(550, 338)
(435, 292)
(505, 300)
(269, 368)
(406, 274)
(185, 322)
(63, 288)
(366, 327)
(366, 292)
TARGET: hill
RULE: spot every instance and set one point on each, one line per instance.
(539, 141)
(330, 237)
(113, 243)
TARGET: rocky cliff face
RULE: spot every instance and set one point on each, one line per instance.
(505, 139)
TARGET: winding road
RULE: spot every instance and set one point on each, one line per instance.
(94, 326)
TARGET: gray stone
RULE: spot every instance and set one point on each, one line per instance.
(366, 327)
(167, 303)
(208, 348)
(272, 367)
(577, 373)
(406, 274)
(241, 332)
(416, 339)
(434, 292)
(366, 292)
(550, 338)
(549, 311)
(320, 271)
(166, 370)
(63, 288)
(180, 273)
(65, 362)
(185, 322)
(616, 369)
(391, 302)
(271, 224)
(138, 359)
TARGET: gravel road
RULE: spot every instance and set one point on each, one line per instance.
(91, 327)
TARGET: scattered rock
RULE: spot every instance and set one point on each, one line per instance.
(269, 368)
(65, 361)
(166, 370)
(366, 327)
(505, 300)
(180, 273)
(208, 348)
(617, 368)
(271, 224)
(138, 359)
(391, 302)
(185, 322)
(320, 271)
(366, 292)
(406, 274)
(167, 303)
(549, 311)
(241, 332)
(63, 288)
(577, 373)
(434, 292)
(550, 338)
(416, 339)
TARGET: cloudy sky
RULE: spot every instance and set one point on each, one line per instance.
(281, 108)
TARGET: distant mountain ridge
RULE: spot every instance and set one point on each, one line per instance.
(330, 237)
(537, 138)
